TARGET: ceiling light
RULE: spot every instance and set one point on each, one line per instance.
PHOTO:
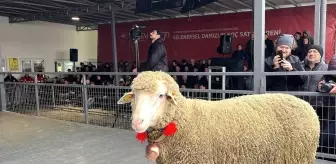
(75, 18)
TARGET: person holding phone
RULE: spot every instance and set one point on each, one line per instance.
(283, 61)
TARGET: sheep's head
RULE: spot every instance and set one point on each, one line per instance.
(152, 94)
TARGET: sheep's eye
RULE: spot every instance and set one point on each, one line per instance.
(161, 96)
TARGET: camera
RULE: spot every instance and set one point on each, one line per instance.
(327, 86)
(135, 32)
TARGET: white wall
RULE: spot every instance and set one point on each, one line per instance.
(46, 41)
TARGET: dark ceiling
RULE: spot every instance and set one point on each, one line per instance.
(94, 12)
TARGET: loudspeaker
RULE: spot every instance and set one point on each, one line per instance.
(225, 45)
(144, 6)
(194, 4)
(73, 55)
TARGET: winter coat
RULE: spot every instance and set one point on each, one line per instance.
(284, 83)
(157, 57)
(312, 81)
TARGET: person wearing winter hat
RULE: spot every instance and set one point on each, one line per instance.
(284, 44)
(313, 62)
(314, 56)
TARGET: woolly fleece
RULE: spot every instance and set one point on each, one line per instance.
(253, 129)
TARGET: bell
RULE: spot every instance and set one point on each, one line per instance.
(152, 151)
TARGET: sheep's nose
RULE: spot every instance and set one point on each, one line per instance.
(138, 122)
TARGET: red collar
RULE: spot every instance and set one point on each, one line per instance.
(169, 130)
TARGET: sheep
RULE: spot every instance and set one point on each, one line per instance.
(252, 129)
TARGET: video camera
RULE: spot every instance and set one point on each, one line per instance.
(135, 32)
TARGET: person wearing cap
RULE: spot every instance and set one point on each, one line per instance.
(313, 62)
(286, 43)
(157, 55)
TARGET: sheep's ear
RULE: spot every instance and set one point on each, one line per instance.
(126, 98)
(172, 97)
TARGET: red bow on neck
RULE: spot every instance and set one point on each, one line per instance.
(169, 130)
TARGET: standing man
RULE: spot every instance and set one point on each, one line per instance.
(157, 55)
(249, 50)
(269, 46)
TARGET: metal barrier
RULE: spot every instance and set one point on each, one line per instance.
(223, 69)
(67, 102)
(97, 104)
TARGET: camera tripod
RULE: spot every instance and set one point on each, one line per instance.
(137, 59)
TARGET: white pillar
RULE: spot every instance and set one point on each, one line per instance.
(259, 45)
(317, 21)
(323, 26)
(114, 46)
(2, 86)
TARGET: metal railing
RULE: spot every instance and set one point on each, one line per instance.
(97, 104)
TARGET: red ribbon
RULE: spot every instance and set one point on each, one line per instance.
(141, 137)
(169, 130)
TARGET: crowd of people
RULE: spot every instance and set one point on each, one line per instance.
(298, 51)
(287, 53)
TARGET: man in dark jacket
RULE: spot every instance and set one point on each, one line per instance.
(157, 55)
(269, 46)
(238, 57)
(289, 62)
(249, 50)
(239, 54)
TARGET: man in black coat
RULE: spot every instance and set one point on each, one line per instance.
(157, 55)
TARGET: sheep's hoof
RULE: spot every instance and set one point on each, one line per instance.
(152, 151)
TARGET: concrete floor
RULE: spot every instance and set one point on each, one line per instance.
(33, 140)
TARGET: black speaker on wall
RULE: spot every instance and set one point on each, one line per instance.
(194, 4)
(144, 6)
(225, 45)
(73, 55)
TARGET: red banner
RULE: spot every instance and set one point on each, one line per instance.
(198, 37)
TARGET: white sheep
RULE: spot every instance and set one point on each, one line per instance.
(253, 129)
